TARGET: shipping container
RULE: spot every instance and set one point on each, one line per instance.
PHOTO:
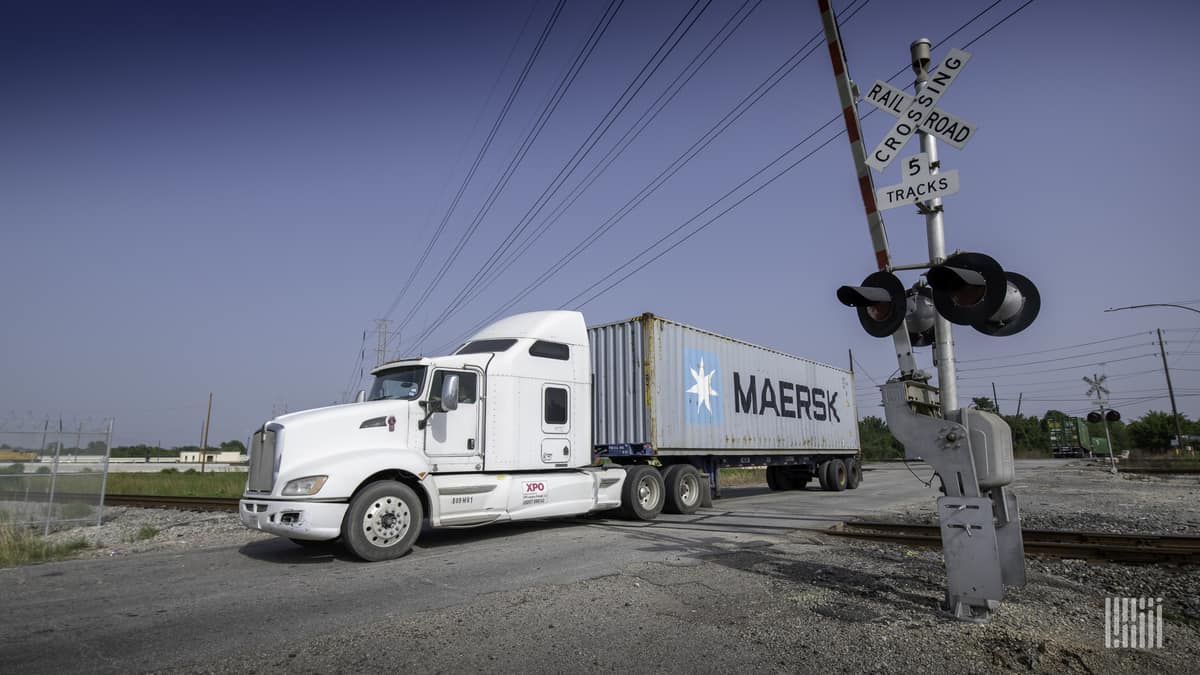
(673, 392)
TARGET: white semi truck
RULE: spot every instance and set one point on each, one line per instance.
(538, 416)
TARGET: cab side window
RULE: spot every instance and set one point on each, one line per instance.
(466, 385)
(555, 406)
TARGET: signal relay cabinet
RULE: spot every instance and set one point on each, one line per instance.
(538, 416)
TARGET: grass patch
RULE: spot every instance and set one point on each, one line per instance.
(173, 484)
(185, 484)
(20, 546)
(147, 532)
(75, 511)
(736, 477)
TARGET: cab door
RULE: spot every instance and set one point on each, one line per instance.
(455, 433)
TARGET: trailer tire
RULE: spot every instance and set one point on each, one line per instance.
(853, 474)
(683, 488)
(383, 521)
(821, 477)
(834, 474)
(784, 479)
(772, 478)
(642, 493)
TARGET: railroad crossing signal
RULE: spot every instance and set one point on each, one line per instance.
(1096, 386)
(953, 130)
(918, 111)
(969, 289)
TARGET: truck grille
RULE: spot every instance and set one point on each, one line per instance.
(262, 461)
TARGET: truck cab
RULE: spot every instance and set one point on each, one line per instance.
(499, 430)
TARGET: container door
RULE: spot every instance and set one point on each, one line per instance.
(455, 433)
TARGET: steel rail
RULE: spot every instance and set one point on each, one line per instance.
(1134, 548)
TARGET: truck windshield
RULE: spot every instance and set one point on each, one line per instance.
(398, 383)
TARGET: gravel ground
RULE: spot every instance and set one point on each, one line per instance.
(800, 602)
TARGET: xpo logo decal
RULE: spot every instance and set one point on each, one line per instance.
(535, 487)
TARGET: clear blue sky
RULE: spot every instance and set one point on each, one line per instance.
(222, 197)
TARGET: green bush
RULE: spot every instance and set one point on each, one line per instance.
(13, 468)
(170, 470)
(43, 469)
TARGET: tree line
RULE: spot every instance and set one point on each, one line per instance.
(127, 451)
(1153, 432)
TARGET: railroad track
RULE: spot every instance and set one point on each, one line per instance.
(181, 503)
(1134, 548)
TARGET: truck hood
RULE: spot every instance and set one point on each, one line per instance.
(322, 432)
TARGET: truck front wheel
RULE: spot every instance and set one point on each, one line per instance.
(383, 521)
(642, 493)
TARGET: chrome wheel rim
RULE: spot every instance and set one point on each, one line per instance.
(689, 490)
(648, 495)
(386, 521)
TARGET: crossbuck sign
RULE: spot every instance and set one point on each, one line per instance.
(919, 113)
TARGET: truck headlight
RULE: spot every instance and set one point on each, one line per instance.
(309, 485)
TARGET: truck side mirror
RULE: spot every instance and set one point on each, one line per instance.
(450, 393)
(362, 396)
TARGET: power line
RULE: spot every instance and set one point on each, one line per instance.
(1054, 349)
(618, 107)
(565, 83)
(631, 134)
(1061, 358)
(1055, 370)
(504, 110)
(705, 139)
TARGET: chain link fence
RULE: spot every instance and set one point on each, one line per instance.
(54, 476)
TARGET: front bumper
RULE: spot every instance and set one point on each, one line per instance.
(317, 521)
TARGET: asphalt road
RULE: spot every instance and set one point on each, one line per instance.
(186, 611)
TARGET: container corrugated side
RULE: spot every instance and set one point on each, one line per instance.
(618, 384)
(704, 393)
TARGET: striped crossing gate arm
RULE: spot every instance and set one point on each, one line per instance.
(866, 185)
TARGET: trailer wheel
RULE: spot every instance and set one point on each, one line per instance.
(822, 479)
(835, 475)
(383, 521)
(784, 479)
(683, 488)
(642, 493)
(853, 474)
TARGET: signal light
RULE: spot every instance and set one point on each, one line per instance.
(1109, 415)
(967, 287)
(972, 289)
(880, 302)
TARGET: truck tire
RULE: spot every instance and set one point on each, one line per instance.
(642, 493)
(683, 488)
(383, 521)
(822, 479)
(853, 474)
(835, 475)
(772, 478)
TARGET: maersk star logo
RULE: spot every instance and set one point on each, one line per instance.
(701, 384)
(703, 388)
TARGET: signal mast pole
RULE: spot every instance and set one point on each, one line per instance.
(943, 350)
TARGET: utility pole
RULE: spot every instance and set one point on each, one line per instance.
(995, 401)
(943, 348)
(1019, 397)
(381, 332)
(204, 438)
(1171, 391)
